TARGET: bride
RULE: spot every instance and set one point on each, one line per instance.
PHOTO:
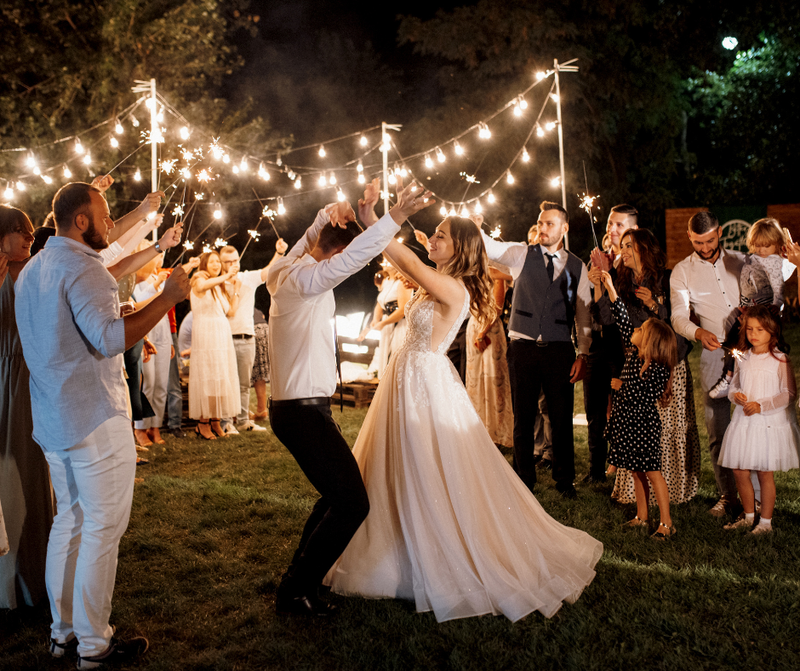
(450, 526)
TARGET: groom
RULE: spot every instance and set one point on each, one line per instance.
(303, 372)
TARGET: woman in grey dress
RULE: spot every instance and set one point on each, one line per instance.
(24, 479)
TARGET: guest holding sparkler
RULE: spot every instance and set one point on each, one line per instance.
(642, 282)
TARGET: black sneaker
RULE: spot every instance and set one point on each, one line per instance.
(118, 652)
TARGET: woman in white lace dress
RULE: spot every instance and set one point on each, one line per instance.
(451, 526)
(213, 375)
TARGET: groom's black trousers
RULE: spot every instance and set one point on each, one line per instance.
(315, 441)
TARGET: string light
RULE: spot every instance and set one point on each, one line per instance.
(385, 143)
(332, 179)
(550, 125)
(540, 76)
(217, 211)
(392, 178)
(526, 156)
(8, 194)
(184, 133)
(361, 178)
(118, 129)
(87, 159)
(360, 167)
(523, 104)
(36, 170)
(555, 182)
(263, 173)
(443, 210)
(31, 161)
(226, 158)
(322, 152)
(464, 212)
(478, 208)
(363, 141)
(67, 172)
(555, 97)
(47, 179)
(509, 177)
(340, 195)
(236, 170)
(483, 131)
(137, 175)
(452, 212)
(79, 147)
(491, 197)
(403, 172)
(539, 130)
(281, 208)
(243, 164)
(428, 161)
(440, 155)
(114, 142)
(322, 181)
(160, 115)
(21, 186)
(134, 121)
(458, 149)
(298, 183)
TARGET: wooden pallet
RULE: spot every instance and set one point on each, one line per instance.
(355, 394)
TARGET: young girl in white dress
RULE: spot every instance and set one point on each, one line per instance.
(763, 435)
(451, 526)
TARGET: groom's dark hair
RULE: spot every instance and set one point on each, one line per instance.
(333, 237)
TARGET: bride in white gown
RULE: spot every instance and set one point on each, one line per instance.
(450, 526)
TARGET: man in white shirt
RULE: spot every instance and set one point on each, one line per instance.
(243, 328)
(552, 296)
(67, 311)
(705, 286)
(303, 379)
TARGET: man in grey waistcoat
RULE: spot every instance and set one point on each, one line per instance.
(551, 298)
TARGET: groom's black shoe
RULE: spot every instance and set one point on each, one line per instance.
(304, 605)
(567, 491)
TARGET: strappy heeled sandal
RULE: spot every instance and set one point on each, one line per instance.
(663, 532)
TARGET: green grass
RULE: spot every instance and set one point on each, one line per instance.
(215, 523)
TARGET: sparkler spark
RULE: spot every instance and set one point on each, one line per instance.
(495, 234)
(203, 176)
(220, 242)
(188, 244)
(177, 211)
(168, 166)
(254, 234)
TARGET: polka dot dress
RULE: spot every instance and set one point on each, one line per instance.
(634, 430)
(680, 445)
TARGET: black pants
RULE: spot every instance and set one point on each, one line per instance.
(533, 368)
(316, 443)
(596, 389)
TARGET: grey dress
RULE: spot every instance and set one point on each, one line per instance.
(25, 493)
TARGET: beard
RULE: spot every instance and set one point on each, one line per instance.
(92, 238)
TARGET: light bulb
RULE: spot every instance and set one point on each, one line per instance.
(160, 115)
(477, 209)
(539, 130)
(118, 129)
(458, 149)
(428, 161)
(361, 178)
(525, 155)
(322, 180)
(149, 103)
(540, 75)
(322, 151)
(36, 170)
(31, 162)
(440, 155)
(403, 172)
(67, 172)
(443, 211)
(184, 133)
(483, 131)
(332, 179)
(87, 159)
(359, 167)
(556, 181)
(464, 212)
(114, 142)
(236, 170)
(134, 121)
(217, 212)
(8, 194)
(78, 147)
(392, 178)
(510, 178)
(281, 208)
(491, 198)
(263, 173)
(517, 110)
(555, 97)
(452, 212)
(550, 125)
(137, 175)
(363, 141)
(47, 179)
(298, 183)
(340, 195)
(226, 158)
(243, 165)
(523, 104)
(21, 186)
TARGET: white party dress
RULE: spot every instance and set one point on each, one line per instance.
(769, 440)
(213, 374)
(451, 526)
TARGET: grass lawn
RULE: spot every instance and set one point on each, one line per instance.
(215, 523)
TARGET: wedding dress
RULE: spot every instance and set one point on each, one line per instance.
(451, 526)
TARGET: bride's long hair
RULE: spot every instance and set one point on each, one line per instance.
(471, 265)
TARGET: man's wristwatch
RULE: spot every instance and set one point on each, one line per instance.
(157, 247)
(583, 357)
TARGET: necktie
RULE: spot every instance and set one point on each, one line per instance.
(549, 266)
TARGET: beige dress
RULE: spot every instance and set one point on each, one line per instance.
(488, 383)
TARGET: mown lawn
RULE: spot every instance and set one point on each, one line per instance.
(215, 523)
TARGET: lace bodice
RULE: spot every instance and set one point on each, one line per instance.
(419, 315)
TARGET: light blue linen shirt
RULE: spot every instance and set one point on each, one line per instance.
(67, 309)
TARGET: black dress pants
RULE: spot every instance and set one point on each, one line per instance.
(596, 390)
(317, 444)
(533, 367)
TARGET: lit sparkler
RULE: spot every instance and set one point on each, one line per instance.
(254, 234)
(168, 166)
(735, 353)
(495, 233)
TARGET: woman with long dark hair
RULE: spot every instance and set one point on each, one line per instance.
(451, 526)
(24, 478)
(643, 285)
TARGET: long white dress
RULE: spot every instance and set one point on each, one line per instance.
(387, 294)
(769, 440)
(451, 526)
(213, 374)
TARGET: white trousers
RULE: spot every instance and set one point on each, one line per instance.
(93, 483)
(155, 380)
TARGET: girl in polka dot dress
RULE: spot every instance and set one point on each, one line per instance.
(763, 435)
(634, 430)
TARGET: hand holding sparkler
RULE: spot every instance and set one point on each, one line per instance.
(366, 205)
(151, 203)
(281, 246)
(707, 339)
(608, 283)
(599, 259)
(340, 214)
(172, 237)
(102, 182)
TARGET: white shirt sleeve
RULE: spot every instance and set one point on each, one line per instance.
(680, 303)
(583, 316)
(110, 253)
(510, 254)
